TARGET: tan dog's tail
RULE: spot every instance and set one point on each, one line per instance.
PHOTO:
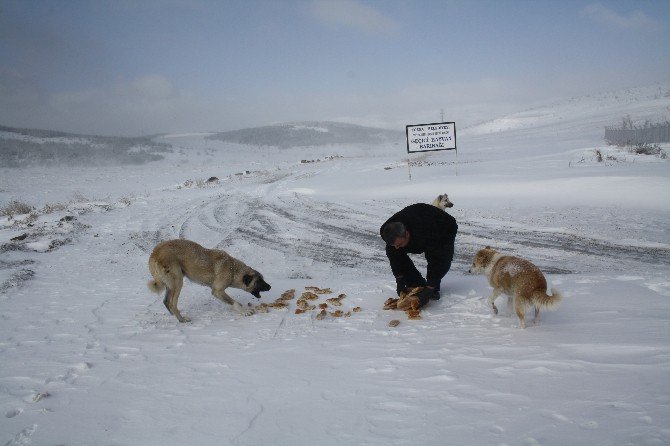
(542, 299)
(155, 286)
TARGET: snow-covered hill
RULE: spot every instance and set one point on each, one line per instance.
(305, 134)
(89, 356)
(569, 123)
(601, 109)
(32, 147)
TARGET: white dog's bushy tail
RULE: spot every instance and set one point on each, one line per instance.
(155, 286)
(542, 299)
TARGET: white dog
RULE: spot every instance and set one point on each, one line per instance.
(442, 202)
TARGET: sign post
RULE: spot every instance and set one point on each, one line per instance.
(430, 138)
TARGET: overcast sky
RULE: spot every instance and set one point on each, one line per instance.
(128, 67)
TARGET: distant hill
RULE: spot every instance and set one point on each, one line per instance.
(28, 147)
(595, 111)
(303, 134)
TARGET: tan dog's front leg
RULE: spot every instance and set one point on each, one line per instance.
(223, 297)
(491, 300)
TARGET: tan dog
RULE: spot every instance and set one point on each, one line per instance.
(442, 202)
(170, 261)
(522, 281)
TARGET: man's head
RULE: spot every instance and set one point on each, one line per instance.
(395, 234)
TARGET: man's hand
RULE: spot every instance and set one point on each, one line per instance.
(401, 287)
(424, 296)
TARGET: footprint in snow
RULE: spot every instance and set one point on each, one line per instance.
(13, 413)
(23, 437)
(560, 417)
(37, 397)
(73, 372)
(70, 376)
(496, 430)
(646, 419)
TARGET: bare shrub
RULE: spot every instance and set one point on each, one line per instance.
(599, 155)
(53, 207)
(32, 217)
(15, 207)
(187, 183)
(648, 149)
(78, 197)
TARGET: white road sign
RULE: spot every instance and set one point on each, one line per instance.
(430, 137)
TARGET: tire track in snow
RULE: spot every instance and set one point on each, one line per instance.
(299, 227)
(339, 235)
(556, 250)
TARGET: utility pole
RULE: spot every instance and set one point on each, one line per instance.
(441, 115)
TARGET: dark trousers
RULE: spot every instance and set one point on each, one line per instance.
(405, 271)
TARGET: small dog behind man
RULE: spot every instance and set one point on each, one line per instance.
(522, 281)
(173, 260)
(442, 202)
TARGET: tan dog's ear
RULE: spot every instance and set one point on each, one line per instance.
(487, 247)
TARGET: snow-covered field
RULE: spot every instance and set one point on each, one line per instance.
(89, 356)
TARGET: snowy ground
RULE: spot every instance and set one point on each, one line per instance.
(89, 356)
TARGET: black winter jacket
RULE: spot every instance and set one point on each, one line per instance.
(432, 231)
